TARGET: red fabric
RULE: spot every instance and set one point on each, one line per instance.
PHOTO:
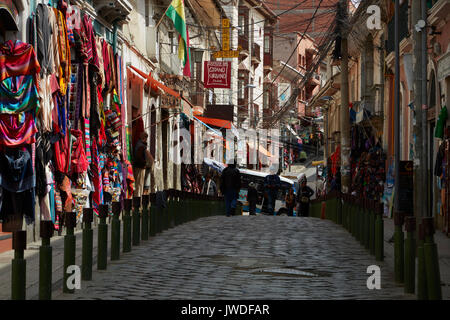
(15, 133)
(102, 135)
(17, 59)
(335, 158)
(62, 152)
(79, 161)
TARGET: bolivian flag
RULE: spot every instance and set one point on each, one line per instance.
(176, 13)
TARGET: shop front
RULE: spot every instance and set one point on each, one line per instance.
(62, 110)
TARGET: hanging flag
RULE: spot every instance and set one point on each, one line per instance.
(176, 13)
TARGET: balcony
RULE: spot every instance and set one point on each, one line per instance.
(256, 54)
(197, 93)
(242, 106)
(314, 80)
(113, 10)
(243, 44)
(268, 61)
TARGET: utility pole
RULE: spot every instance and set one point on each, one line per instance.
(398, 215)
(345, 115)
(424, 107)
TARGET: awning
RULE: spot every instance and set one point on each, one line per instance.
(152, 82)
(292, 131)
(261, 149)
(216, 122)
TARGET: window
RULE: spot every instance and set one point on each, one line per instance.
(241, 24)
(241, 89)
(266, 99)
(172, 43)
(266, 44)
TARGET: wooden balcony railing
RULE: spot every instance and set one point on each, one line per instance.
(256, 52)
(243, 42)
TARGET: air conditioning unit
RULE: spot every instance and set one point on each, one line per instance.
(152, 44)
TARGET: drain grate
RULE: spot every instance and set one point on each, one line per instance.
(287, 272)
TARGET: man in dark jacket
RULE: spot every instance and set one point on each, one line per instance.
(303, 195)
(252, 198)
(272, 184)
(230, 184)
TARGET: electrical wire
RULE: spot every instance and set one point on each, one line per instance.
(292, 53)
(327, 44)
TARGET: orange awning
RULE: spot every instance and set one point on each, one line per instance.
(151, 81)
(216, 122)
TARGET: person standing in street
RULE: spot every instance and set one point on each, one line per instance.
(209, 186)
(230, 184)
(290, 202)
(252, 198)
(303, 196)
(141, 160)
(272, 184)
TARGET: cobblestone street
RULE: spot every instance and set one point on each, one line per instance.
(243, 257)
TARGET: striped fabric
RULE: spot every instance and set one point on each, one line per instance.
(18, 94)
(97, 196)
(87, 140)
(16, 59)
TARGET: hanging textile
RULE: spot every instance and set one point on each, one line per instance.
(17, 130)
(18, 94)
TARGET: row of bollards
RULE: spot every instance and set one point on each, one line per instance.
(167, 210)
(421, 247)
(363, 219)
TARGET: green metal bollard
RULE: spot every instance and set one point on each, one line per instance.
(188, 204)
(177, 207)
(126, 242)
(144, 225)
(45, 261)
(188, 201)
(422, 290)
(344, 210)
(357, 219)
(431, 261)
(371, 227)
(379, 233)
(398, 247)
(87, 244)
(410, 255)
(152, 218)
(366, 224)
(19, 266)
(362, 230)
(102, 245)
(115, 231)
(170, 208)
(136, 220)
(351, 215)
(69, 248)
(339, 206)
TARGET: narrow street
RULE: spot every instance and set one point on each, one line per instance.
(243, 257)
